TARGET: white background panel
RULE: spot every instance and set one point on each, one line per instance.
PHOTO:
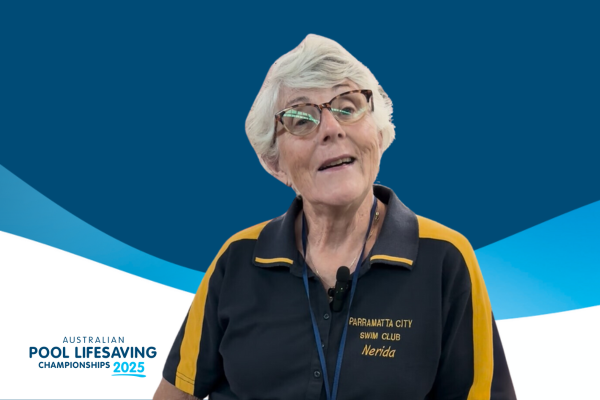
(554, 356)
(47, 294)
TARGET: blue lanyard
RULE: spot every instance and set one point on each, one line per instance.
(338, 366)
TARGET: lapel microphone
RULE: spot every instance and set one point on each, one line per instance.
(341, 288)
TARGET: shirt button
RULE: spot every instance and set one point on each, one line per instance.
(323, 345)
(326, 316)
(317, 374)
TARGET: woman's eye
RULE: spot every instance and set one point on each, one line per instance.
(347, 110)
(300, 122)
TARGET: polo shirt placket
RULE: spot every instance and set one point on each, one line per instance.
(324, 319)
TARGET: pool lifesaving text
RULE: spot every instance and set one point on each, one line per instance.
(71, 357)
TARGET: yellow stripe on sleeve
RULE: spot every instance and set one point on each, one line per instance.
(190, 344)
(482, 310)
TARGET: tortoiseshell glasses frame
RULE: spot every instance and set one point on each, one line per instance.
(307, 116)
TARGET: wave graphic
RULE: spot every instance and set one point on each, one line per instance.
(551, 267)
(27, 213)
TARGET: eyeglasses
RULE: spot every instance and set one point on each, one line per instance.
(347, 108)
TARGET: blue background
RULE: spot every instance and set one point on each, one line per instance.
(125, 120)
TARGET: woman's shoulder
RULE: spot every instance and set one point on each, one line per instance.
(249, 233)
(430, 229)
(459, 256)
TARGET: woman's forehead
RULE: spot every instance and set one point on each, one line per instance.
(291, 96)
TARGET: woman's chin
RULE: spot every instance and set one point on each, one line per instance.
(339, 194)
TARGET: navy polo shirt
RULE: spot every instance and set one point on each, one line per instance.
(420, 327)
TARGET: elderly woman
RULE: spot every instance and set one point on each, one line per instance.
(349, 294)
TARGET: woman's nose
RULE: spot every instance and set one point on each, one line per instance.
(329, 127)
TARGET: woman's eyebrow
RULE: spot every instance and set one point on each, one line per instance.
(305, 99)
(296, 100)
(341, 85)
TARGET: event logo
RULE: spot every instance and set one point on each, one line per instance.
(77, 356)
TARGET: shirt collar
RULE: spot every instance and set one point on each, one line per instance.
(396, 245)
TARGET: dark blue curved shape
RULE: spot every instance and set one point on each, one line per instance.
(27, 213)
(138, 375)
(484, 115)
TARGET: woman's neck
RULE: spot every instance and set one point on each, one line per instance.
(334, 228)
(336, 236)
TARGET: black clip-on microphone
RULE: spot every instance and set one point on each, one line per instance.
(341, 287)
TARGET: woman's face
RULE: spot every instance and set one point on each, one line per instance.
(302, 159)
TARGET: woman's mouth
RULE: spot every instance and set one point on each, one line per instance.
(337, 163)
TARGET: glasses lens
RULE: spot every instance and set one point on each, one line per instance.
(350, 107)
(301, 120)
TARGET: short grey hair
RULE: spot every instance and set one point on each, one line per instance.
(317, 62)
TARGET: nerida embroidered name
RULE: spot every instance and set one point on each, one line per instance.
(384, 351)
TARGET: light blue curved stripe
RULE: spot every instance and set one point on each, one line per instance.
(27, 213)
(551, 267)
(548, 268)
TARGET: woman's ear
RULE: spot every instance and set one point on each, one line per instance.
(276, 170)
